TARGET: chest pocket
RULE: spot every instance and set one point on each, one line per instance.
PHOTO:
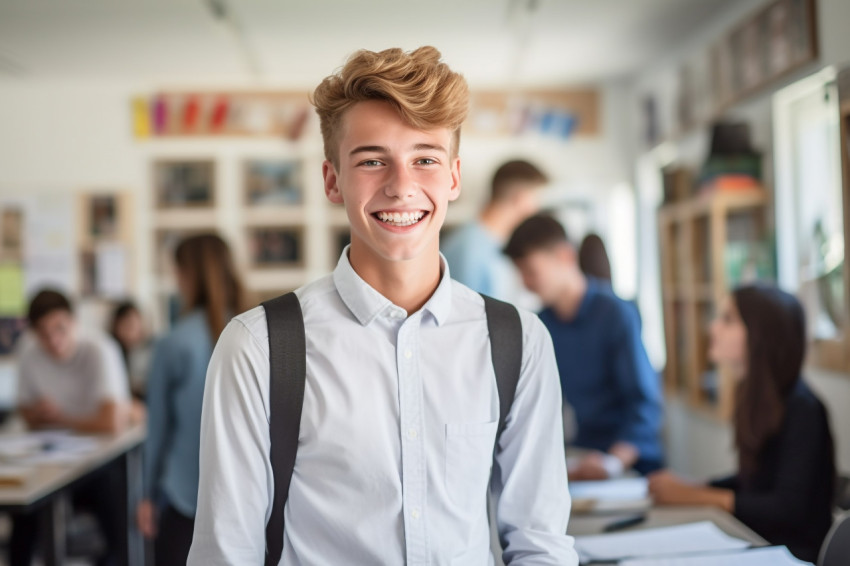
(469, 458)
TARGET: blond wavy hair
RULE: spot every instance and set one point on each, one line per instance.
(424, 90)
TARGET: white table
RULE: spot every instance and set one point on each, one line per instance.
(50, 481)
(594, 523)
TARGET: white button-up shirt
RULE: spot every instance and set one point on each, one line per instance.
(396, 441)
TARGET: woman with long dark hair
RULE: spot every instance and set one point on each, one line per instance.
(593, 258)
(786, 466)
(211, 294)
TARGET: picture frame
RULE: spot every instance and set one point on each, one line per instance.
(11, 233)
(103, 216)
(271, 247)
(273, 182)
(721, 74)
(188, 183)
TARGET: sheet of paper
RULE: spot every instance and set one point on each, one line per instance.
(610, 490)
(49, 260)
(111, 270)
(691, 538)
(771, 556)
(47, 447)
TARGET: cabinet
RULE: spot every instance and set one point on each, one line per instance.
(709, 244)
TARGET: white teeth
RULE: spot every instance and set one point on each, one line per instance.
(401, 218)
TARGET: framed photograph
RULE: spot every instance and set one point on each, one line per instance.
(11, 233)
(802, 31)
(778, 45)
(275, 247)
(752, 61)
(185, 183)
(721, 74)
(103, 214)
(274, 183)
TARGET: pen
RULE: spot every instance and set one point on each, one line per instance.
(624, 523)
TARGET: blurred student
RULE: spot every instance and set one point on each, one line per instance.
(72, 380)
(605, 374)
(211, 293)
(593, 258)
(128, 330)
(474, 251)
(786, 465)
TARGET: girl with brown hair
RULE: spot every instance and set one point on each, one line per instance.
(786, 465)
(210, 293)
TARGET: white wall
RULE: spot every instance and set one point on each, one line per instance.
(698, 445)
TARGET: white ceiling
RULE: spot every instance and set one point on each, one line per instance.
(493, 42)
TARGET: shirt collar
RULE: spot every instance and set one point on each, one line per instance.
(366, 304)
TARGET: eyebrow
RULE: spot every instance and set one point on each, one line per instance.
(382, 149)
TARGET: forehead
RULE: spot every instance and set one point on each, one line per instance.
(375, 122)
(54, 318)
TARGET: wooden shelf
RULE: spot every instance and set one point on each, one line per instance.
(693, 236)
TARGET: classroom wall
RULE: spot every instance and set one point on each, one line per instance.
(699, 445)
(72, 137)
(68, 137)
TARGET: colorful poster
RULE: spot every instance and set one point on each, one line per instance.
(12, 296)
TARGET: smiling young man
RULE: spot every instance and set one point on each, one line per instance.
(401, 406)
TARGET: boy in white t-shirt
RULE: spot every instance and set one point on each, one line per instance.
(75, 382)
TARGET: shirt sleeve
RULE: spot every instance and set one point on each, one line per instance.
(728, 482)
(640, 385)
(160, 419)
(530, 490)
(236, 486)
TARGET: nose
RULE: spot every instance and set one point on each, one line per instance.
(400, 183)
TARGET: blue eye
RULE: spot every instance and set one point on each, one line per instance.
(371, 163)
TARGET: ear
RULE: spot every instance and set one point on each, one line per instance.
(454, 192)
(330, 176)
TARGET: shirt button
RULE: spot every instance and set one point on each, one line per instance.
(408, 354)
(412, 434)
(415, 513)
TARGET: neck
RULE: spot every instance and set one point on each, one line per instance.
(500, 221)
(571, 296)
(407, 283)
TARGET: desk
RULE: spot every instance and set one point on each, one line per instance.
(594, 523)
(49, 482)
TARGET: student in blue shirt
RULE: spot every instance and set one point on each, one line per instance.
(474, 251)
(605, 374)
(210, 293)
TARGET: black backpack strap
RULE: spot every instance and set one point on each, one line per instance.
(287, 374)
(505, 329)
